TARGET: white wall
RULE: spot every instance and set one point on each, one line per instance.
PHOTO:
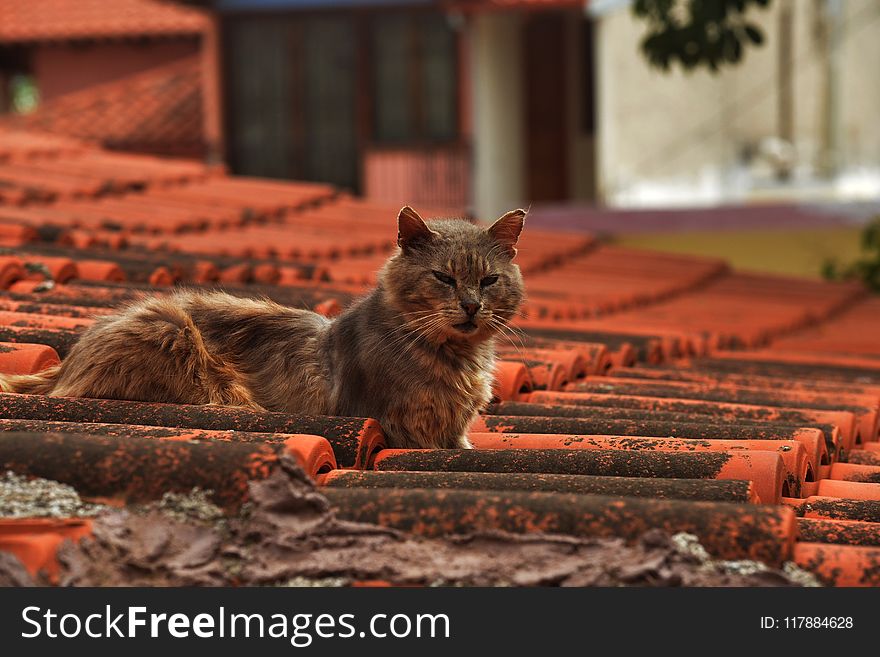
(681, 137)
(498, 113)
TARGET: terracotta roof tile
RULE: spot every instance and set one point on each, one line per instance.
(728, 490)
(680, 394)
(62, 20)
(20, 145)
(156, 111)
(771, 529)
(26, 358)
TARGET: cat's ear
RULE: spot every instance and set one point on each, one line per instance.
(507, 229)
(412, 229)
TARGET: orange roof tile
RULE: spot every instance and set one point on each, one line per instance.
(155, 111)
(20, 145)
(753, 405)
(61, 20)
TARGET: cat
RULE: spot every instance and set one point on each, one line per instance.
(417, 353)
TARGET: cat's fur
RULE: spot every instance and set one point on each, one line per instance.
(406, 354)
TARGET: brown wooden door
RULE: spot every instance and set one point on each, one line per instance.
(546, 102)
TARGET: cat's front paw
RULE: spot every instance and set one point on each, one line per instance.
(464, 443)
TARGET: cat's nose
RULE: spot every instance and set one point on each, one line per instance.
(471, 307)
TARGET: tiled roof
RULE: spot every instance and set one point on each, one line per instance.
(63, 20)
(156, 111)
(19, 145)
(648, 392)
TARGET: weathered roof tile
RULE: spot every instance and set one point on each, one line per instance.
(635, 375)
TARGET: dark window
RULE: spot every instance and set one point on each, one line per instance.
(415, 85)
(260, 93)
(328, 93)
(305, 93)
(392, 83)
(439, 89)
(291, 88)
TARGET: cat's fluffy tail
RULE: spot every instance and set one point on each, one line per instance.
(32, 384)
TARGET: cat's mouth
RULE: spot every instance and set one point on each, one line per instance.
(466, 327)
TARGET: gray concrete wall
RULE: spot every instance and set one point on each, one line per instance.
(689, 134)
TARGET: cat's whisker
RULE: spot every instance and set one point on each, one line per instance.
(518, 333)
(508, 334)
(504, 322)
(416, 329)
(501, 330)
(418, 313)
(406, 337)
(422, 333)
(512, 311)
(426, 325)
(516, 330)
(399, 335)
(415, 322)
(435, 324)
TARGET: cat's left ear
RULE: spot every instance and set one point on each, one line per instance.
(412, 229)
(507, 229)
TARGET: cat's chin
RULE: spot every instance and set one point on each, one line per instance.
(467, 333)
(466, 328)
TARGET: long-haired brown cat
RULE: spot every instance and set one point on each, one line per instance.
(417, 353)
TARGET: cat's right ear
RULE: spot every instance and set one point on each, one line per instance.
(412, 229)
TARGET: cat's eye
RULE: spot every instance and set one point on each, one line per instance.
(488, 280)
(444, 278)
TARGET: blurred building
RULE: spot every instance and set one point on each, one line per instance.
(467, 104)
(492, 103)
(125, 73)
(796, 119)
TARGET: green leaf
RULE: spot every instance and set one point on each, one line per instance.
(675, 26)
(756, 36)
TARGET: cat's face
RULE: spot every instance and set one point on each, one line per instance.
(454, 281)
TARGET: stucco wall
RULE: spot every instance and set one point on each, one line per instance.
(497, 94)
(690, 133)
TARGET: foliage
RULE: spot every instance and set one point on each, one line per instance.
(867, 267)
(709, 33)
(24, 93)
